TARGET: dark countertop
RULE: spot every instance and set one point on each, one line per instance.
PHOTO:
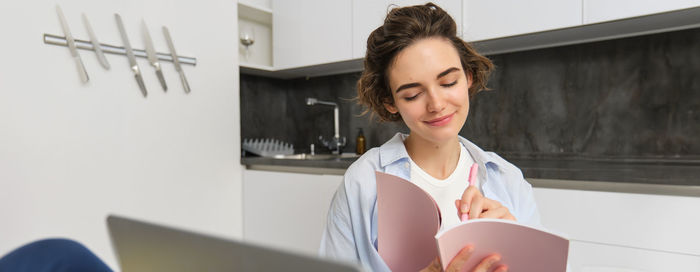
(686, 172)
(643, 172)
(342, 164)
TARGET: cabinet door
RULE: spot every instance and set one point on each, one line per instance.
(600, 257)
(310, 32)
(286, 210)
(595, 11)
(367, 15)
(624, 230)
(485, 19)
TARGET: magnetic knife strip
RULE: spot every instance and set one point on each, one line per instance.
(150, 53)
(112, 49)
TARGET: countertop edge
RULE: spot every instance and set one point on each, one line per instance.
(584, 185)
(297, 169)
(616, 187)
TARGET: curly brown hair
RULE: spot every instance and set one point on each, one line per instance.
(403, 27)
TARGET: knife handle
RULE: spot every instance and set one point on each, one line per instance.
(101, 57)
(184, 81)
(159, 73)
(81, 69)
(142, 86)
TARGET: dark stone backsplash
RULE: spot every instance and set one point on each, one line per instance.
(275, 108)
(635, 98)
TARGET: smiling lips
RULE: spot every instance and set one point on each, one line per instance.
(440, 121)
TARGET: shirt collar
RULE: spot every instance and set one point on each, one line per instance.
(485, 160)
(394, 150)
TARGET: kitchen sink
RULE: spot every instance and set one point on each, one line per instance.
(305, 156)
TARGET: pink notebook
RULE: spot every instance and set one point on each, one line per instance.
(408, 238)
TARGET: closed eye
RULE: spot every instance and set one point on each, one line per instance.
(449, 84)
(411, 97)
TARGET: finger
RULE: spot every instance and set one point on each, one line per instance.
(490, 204)
(476, 207)
(486, 263)
(458, 261)
(434, 266)
(467, 197)
(498, 213)
(458, 205)
(501, 268)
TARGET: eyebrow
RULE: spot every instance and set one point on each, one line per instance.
(416, 84)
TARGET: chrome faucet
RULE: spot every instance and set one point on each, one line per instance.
(336, 143)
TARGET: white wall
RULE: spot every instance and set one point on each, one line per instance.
(71, 153)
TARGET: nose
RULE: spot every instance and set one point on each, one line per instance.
(436, 100)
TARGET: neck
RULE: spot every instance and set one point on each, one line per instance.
(437, 159)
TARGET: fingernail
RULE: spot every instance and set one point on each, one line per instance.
(470, 248)
(464, 208)
(465, 217)
(494, 260)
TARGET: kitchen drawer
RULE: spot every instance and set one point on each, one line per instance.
(594, 257)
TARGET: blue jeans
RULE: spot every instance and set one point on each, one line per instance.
(52, 255)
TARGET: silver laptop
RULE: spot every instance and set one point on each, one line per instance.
(142, 246)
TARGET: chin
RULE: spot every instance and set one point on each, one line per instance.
(441, 135)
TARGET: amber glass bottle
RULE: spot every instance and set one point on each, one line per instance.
(360, 143)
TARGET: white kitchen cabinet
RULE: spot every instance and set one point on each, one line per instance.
(316, 37)
(261, 4)
(485, 20)
(311, 32)
(622, 231)
(609, 231)
(286, 210)
(367, 15)
(255, 22)
(597, 257)
(595, 11)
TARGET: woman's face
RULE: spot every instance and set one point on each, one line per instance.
(430, 90)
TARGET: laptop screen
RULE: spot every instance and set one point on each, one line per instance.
(142, 246)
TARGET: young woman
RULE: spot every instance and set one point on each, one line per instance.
(418, 71)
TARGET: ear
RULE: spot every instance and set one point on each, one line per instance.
(469, 80)
(391, 108)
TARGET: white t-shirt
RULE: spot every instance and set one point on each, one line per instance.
(446, 191)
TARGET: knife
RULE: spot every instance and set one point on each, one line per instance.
(130, 55)
(152, 57)
(176, 61)
(71, 46)
(95, 44)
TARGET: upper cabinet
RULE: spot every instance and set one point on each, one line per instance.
(321, 37)
(484, 20)
(255, 33)
(596, 11)
(311, 32)
(367, 15)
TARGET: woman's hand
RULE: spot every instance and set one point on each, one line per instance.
(457, 263)
(478, 206)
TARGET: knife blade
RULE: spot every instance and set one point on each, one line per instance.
(71, 46)
(152, 57)
(95, 44)
(176, 61)
(130, 55)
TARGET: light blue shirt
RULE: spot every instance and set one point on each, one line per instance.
(351, 227)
